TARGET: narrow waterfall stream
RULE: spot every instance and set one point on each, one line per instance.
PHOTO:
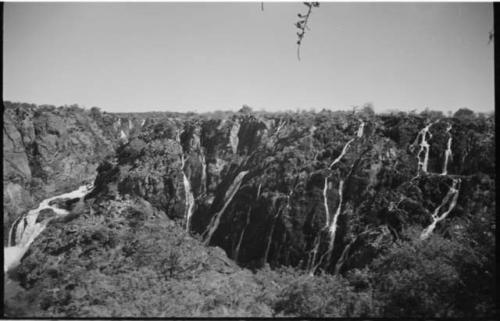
(447, 154)
(424, 134)
(333, 227)
(453, 195)
(344, 150)
(24, 231)
(325, 201)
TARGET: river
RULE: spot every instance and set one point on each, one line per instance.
(22, 234)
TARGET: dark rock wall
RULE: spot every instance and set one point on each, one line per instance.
(278, 214)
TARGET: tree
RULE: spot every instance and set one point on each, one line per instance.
(464, 113)
(245, 109)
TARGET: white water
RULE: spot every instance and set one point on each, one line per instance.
(360, 129)
(447, 154)
(325, 201)
(344, 150)
(424, 147)
(29, 229)
(214, 223)
(453, 195)
(188, 193)
(333, 226)
(122, 135)
(203, 171)
(314, 253)
(188, 196)
(233, 137)
(130, 124)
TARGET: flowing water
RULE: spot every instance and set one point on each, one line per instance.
(453, 195)
(24, 231)
(447, 154)
(424, 134)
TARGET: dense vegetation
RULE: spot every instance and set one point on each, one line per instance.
(266, 188)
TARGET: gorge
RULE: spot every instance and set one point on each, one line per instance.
(196, 208)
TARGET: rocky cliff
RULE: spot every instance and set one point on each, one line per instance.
(329, 193)
(48, 150)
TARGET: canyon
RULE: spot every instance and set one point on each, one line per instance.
(238, 197)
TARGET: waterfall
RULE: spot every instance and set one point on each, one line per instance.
(342, 153)
(188, 193)
(327, 212)
(189, 200)
(447, 154)
(453, 195)
(143, 122)
(333, 227)
(233, 137)
(214, 223)
(360, 129)
(314, 252)
(203, 171)
(123, 135)
(424, 147)
(22, 234)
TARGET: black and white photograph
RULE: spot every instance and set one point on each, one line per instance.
(249, 160)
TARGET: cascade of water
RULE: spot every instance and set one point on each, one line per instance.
(122, 134)
(342, 153)
(203, 171)
(188, 193)
(214, 223)
(424, 134)
(143, 122)
(447, 154)
(233, 137)
(360, 129)
(333, 227)
(189, 200)
(327, 211)
(258, 191)
(453, 195)
(27, 229)
(312, 256)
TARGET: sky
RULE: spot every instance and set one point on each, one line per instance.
(125, 57)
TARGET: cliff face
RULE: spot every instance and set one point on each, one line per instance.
(267, 190)
(327, 192)
(50, 150)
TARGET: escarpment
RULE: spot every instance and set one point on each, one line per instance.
(274, 190)
(181, 201)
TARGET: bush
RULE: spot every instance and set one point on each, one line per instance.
(324, 296)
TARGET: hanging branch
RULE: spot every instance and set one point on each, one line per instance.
(302, 24)
(491, 36)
